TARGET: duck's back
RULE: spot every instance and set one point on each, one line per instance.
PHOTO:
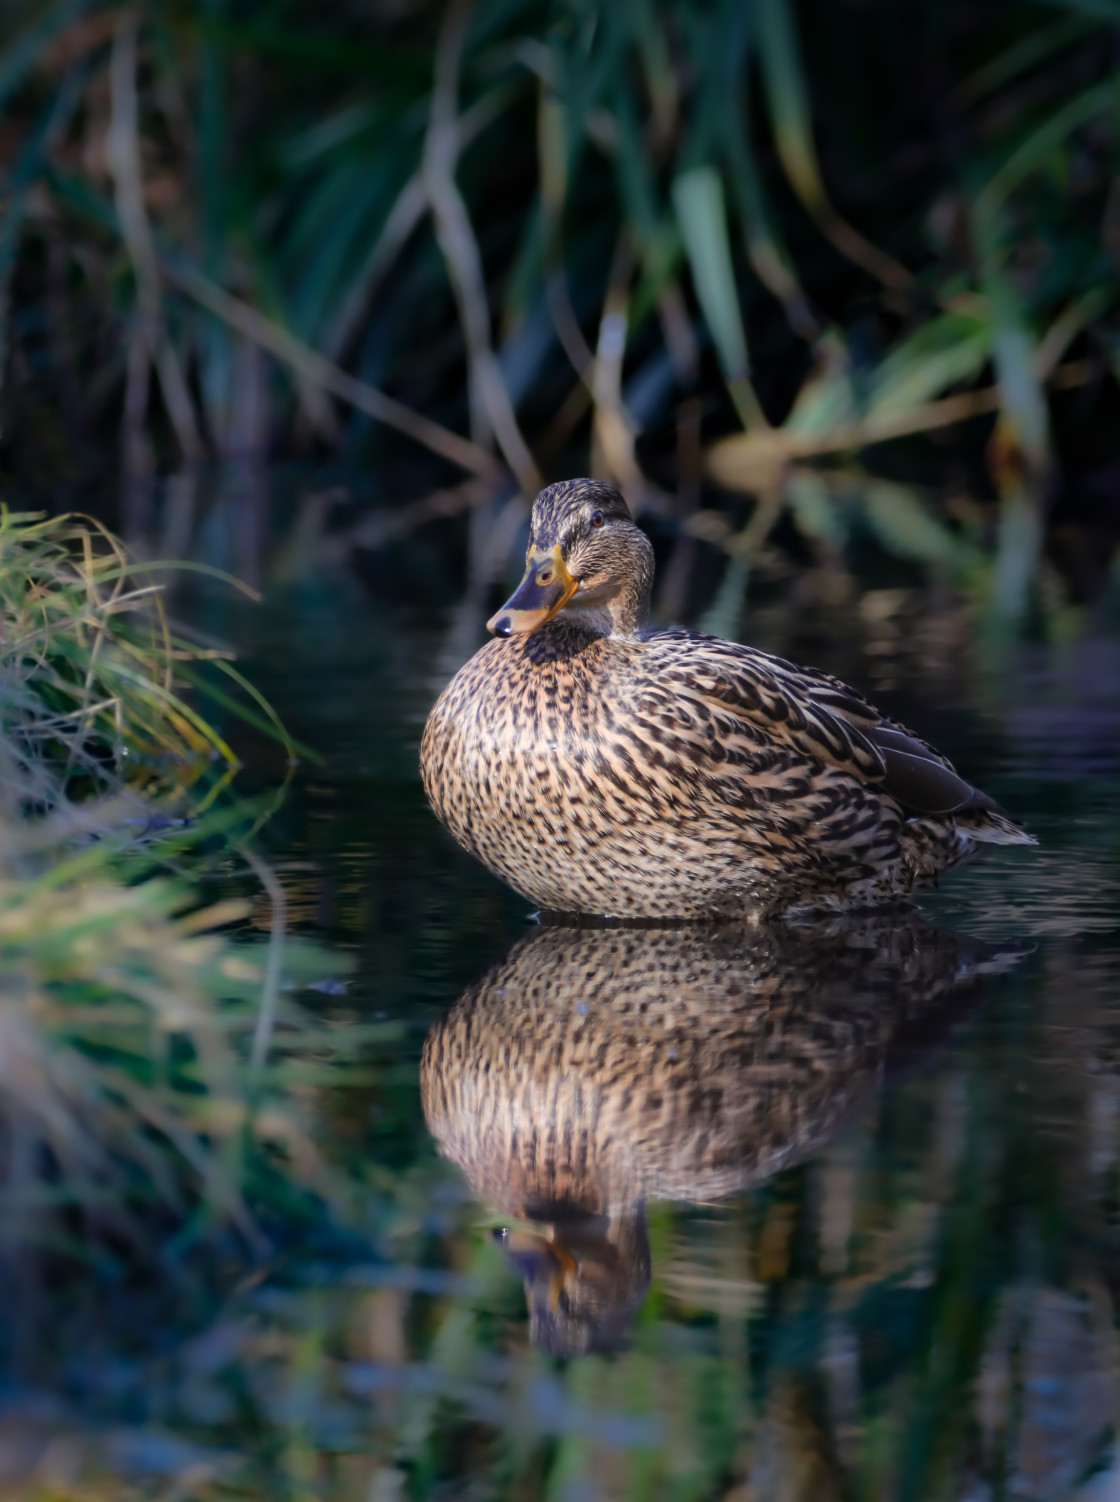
(682, 776)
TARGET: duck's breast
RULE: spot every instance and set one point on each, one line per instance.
(511, 744)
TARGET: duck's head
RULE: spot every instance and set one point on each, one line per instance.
(586, 558)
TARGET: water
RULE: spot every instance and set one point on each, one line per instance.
(655, 1213)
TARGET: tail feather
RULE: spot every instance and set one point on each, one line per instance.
(991, 826)
(924, 783)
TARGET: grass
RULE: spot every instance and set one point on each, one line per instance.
(526, 238)
(136, 1030)
(90, 703)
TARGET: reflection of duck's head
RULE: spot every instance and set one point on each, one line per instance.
(593, 1069)
(583, 1279)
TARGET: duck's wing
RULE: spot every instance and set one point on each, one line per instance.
(916, 774)
(816, 716)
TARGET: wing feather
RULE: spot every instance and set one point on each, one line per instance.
(818, 715)
(764, 693)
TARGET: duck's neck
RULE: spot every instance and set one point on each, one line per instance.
(622, 612)
(559, 641)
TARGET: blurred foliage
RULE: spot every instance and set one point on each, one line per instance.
(140, 1041)
(233, 229)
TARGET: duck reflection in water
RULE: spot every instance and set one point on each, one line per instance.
(596, 1068)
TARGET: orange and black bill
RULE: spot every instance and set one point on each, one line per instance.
(546, 588)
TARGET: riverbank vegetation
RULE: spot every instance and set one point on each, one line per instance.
(138, 1028)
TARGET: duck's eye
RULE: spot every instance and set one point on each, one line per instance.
(596, 518)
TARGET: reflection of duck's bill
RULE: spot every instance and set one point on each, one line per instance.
(584, 1277)
(540, 1260)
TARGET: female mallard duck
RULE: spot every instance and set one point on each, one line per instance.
(593, 1070)
(599, 767)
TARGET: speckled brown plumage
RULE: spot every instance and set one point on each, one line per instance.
(592, 1070)
(601, 768)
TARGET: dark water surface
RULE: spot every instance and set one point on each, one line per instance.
(669, 1214)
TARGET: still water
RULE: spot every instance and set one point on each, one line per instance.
(666, 1213)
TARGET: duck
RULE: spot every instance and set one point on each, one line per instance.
(595, 1069)
(602, 767)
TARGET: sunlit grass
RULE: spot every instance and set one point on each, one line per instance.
(128, 1099)
(91, 672)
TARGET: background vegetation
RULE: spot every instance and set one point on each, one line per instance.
(760, 242)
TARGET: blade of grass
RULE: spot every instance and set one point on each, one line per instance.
(789, 111)
(122, 152)
(1039, 46)
(313, 367)
(1031, 153)
(698, 196)
(491, 407)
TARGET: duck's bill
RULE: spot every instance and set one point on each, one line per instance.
(546, 588)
